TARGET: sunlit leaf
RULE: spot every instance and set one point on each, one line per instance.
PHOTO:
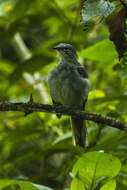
(77, 184)
(95, 165)
(110, 185)
(23, 184)
(96, 94)
(103, 51)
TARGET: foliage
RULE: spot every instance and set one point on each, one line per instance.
(38, 149)
(21, 184)
(95, 168)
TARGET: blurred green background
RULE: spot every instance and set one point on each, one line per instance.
(39, 148)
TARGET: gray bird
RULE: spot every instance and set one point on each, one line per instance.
(69, 86)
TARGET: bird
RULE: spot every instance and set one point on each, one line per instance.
(69, 86)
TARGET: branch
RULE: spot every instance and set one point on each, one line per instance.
(31, 106)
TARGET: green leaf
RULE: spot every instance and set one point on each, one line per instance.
(95, 165)
(92, 8)
(111, 185)
(77, 184)
(103, 51)
(62, 138)
(23, 185)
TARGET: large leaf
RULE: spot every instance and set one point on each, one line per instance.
(94, 166)
(103, 51)
(92, 8)
(23, 185)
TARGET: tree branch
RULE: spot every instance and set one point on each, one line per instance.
(31, 106)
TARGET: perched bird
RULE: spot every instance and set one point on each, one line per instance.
(69, 86)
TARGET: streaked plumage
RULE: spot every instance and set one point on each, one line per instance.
(69, 85)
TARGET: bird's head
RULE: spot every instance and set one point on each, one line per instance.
(66, 52)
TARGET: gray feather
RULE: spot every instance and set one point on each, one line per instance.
(79, 132)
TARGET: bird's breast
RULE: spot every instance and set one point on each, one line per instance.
(66, 87)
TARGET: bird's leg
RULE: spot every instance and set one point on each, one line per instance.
(58, 114)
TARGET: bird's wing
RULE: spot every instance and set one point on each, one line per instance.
(83, 74)
(79, 125)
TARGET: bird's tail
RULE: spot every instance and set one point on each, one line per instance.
(79, 132)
